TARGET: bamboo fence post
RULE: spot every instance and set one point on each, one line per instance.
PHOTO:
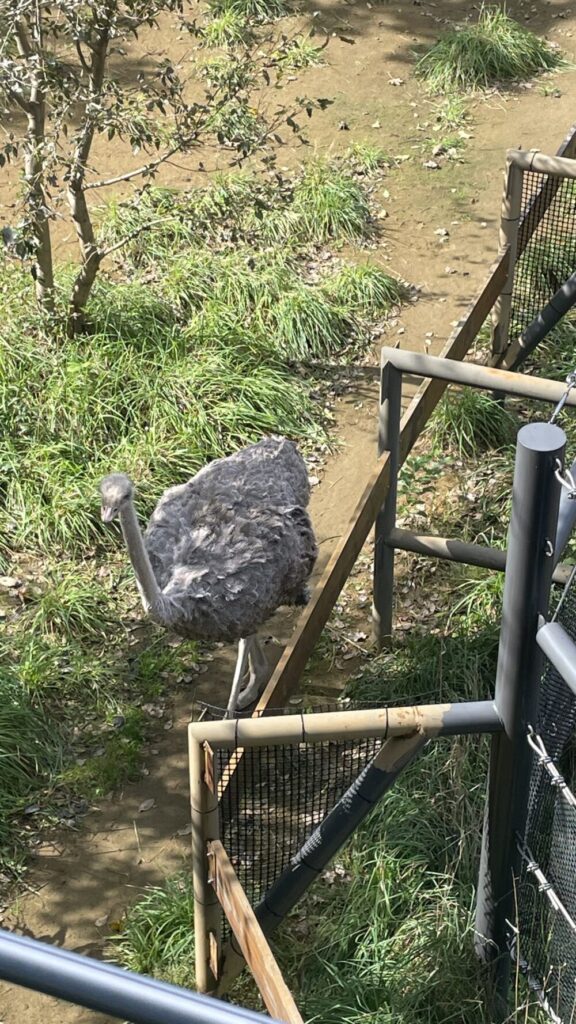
(509, 225)
(205, 829)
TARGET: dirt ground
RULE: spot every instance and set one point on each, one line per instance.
(80, 882)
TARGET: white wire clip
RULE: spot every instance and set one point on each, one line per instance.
(567, 481)
(570, 384)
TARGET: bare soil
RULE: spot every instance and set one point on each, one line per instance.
(80, 882)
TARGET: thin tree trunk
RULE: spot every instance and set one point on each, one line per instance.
(91, 255)
(29, 46)
(43, 270)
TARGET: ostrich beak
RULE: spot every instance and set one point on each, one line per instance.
(107, 514)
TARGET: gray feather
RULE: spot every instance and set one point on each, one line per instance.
(234, 543)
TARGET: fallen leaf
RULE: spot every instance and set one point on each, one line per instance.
(146, 805)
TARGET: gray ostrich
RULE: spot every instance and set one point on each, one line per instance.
(223, 551)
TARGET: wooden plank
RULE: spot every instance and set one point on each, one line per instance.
(328, 587)
(250, 937)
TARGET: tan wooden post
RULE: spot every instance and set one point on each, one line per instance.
(205, 829)
(509, 225)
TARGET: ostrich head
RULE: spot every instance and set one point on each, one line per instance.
(116, 491)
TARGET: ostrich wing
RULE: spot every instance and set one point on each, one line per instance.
(229, 571)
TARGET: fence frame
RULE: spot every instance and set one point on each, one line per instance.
(329, 585)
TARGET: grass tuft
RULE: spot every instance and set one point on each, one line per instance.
(494, 50)
(470, 421)
(157, 938)
(298, 53)
(250, 10)
(367, 158)
(226, 29)
(328, 203)
(366, 289)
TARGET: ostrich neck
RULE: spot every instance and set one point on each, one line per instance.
(149, 590)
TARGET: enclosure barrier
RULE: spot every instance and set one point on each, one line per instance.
(108, 989)
(415, 418)
(537, 228)
(394, 363)
(404, 731)
(530, 562)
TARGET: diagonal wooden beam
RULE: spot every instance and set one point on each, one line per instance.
(250, 937)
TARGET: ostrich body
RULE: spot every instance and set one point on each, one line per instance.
(223, 551)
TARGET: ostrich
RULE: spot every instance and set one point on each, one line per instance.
(223, 551)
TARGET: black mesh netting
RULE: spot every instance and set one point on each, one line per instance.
(549, 258)
(547, 936)
(281, 793)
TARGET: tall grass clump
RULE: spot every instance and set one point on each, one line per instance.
(254, 10)
(226, 29)
(495, 49)
(366, 157)
(297, 54)
(157, 938)
(329, 204)
(366, 289)
(470, 421)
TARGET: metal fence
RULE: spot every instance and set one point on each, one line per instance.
(108, 989)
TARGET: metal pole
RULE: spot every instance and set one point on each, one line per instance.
(108, 989)
(388, 441)
(560, 303)
(560, 650)
(531, 537)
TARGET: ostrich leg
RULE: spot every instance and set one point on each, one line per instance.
(243, 652)
(259, 673)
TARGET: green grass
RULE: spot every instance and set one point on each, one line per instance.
(297, 54)
(250, 10)
(226, 29)
(324, 202)
(157, 937)
(118, 760)
(30, 756)
(451, 113)
(494, 50)
(471, 422)
(329, 204)
(367, 158)
(366, 289)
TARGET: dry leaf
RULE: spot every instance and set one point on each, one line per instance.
(146, 805)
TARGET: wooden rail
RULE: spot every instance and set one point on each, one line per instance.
(250, 937)
(330, 583)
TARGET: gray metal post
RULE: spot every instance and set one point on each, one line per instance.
(108, 989)
(388, 441)
(529, 565)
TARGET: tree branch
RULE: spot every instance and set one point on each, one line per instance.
(145, 169)
(87, 67)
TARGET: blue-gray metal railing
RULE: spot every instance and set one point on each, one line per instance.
(108, 989)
